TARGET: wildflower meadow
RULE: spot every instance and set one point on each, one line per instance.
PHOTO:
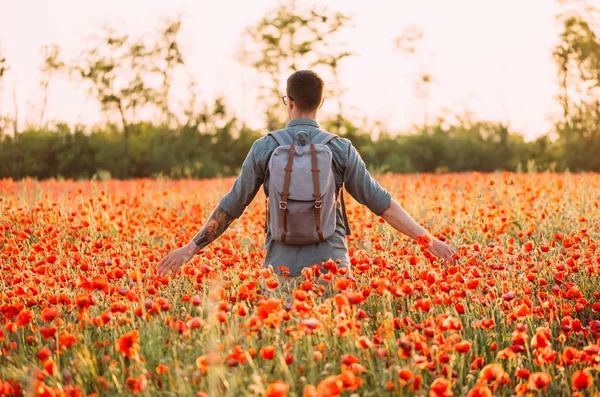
(83, 312)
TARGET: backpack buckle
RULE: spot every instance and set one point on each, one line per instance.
(282, 205)
(318, 204)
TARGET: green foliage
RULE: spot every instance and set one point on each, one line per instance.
(218, 145)
(46, 154)
(461, 146)
(119, 72)
(288, 39)
(578, 60)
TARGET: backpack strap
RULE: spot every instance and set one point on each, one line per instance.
(280, 136)
(344, 214)
(323, 137)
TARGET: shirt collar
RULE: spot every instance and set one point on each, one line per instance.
(303, 121)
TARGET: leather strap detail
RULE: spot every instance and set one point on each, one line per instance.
(286, 192)
(317, 190)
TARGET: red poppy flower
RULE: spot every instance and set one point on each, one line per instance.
(48, 314)
(539, 380)
(276, 389)
(128, 344)
(440, 387)
(582, 379)
(267, 352)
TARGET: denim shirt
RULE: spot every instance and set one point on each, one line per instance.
(349, 169)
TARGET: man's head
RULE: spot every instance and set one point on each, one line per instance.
(304, 93)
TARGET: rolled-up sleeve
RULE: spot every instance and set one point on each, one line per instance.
(361, 185)
(246, 185)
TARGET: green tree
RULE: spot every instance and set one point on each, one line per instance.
(167, 56)
(409, 44)
(114, 69)
(287, 39)
(120, 70)
(50, 66)
(578, 59)
(333, 62)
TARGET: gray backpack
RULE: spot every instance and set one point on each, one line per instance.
(302, 194)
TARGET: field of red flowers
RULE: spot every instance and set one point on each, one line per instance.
(82, 311)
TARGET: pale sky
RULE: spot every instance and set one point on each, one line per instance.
(491, 57)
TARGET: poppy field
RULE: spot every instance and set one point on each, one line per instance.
(83, 312)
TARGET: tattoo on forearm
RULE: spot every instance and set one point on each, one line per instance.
(218, 222)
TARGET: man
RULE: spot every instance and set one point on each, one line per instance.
(303, 100)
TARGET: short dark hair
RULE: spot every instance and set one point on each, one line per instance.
(305, 88)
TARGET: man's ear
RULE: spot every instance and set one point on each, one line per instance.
(322, 101)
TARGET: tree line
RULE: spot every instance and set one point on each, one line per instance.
(220, 148)
(131, 78)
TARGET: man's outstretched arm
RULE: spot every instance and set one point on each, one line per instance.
(367, 191)
(218, 222)
(231, 206)
(400, 220)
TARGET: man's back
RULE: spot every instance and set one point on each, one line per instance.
(303, 100)
(348, 169)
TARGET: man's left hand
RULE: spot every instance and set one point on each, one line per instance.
(442, 251)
